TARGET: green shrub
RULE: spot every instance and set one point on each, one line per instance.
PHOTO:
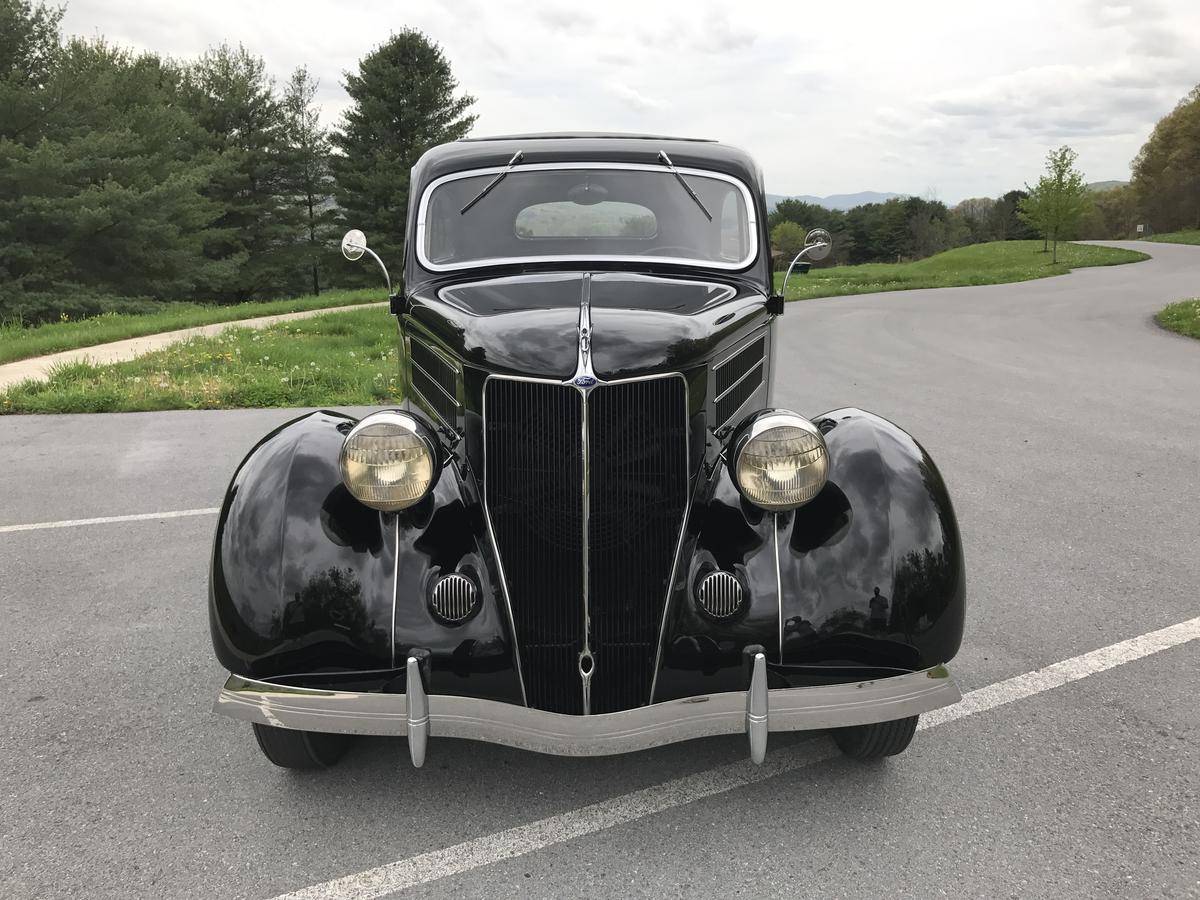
(35, 309)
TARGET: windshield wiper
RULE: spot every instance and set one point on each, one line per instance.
(517, 157)
(666, 161)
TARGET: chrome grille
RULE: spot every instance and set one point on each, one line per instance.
(638, 493)
(720, 595)
(533, 486)
(637, 487)
(454, 598)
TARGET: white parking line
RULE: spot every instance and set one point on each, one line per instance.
(105, 520)
(522, 839)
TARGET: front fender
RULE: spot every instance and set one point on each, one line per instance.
(302, 573)
(867, 579)
(307, 582)
(872, 570)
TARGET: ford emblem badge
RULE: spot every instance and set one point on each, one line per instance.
(584, 381)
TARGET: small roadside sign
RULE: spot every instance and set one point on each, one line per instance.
(1141, 229)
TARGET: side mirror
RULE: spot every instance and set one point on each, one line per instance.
(817, 244)
(354, 245)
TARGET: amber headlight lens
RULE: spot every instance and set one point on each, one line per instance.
(782, 462)
(386, 462)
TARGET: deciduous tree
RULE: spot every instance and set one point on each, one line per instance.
(975, 214)
(1057, 204)
(787, 239)
(1166, 172)
(1114, 214)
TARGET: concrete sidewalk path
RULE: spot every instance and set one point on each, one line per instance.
(38, 368)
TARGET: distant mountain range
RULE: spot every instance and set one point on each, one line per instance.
(849, 201)
(834, 201)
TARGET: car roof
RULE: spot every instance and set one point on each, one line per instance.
(585, 135)
(554, 147)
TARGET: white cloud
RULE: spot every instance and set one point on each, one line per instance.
(963, 98)
(634, 98)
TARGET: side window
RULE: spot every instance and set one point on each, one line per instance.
(439, 240)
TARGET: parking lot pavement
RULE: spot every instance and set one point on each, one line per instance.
(1066, 424)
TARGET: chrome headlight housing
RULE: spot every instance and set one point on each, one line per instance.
(388, 461)
(780, 461)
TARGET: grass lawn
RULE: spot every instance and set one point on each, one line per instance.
(339, 359)
(17, 342)
(994, 263)
(350, 358)
(1183, 317)
(1177, 237)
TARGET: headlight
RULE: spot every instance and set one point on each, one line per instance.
(780, 461)
(386, 461)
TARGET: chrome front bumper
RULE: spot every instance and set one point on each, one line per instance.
(755, 712)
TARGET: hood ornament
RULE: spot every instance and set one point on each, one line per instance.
(585, 377)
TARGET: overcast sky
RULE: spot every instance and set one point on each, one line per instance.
(944, 99)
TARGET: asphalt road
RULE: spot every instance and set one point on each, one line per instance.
(1068, 428)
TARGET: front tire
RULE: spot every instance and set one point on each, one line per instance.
(876, 740)
(291, 749)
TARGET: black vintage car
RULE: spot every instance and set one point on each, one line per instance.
(587, 531)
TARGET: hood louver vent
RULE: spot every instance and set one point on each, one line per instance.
(435, 382)
(737, 378)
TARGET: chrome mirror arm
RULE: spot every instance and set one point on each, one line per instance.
(818, 242)
(354, 245)
(783, 288)
(387, 278)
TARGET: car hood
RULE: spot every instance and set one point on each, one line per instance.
(641, 324)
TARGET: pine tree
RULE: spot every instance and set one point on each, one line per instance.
(99, 185)
(29, 47)
(252, 241)
(309, 179)
(403, 103)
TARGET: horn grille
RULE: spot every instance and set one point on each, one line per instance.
(720, 595)
(454, 598)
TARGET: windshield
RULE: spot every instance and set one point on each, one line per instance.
(586, 212)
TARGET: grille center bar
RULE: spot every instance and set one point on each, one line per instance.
(584, 380)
